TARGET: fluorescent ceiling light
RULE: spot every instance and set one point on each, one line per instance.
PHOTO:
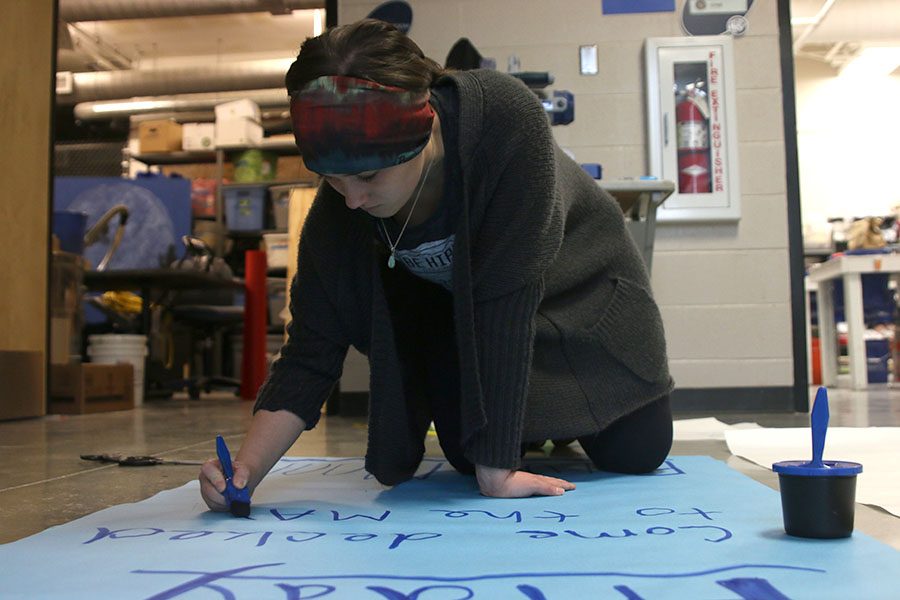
(875, 61)
(136, 105)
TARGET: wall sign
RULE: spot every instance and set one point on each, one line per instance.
(713, 17)
(618, 7)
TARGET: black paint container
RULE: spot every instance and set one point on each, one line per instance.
(818, 502)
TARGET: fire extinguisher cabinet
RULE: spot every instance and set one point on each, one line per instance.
(691, 126)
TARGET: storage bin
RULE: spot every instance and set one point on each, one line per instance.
(276, 250)
(878, 351)
(280, 196)
(276, 288)
(203, 197)
(244, 206)
(66, 276)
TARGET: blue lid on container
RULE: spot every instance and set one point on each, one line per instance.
(828, 468)
(818, 467)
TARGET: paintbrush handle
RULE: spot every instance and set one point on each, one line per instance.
(224, 457)
(819, 420)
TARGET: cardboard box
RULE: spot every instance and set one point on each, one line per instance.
(82, 388)
(291, 168)
(198, 136)
(238, 109)
(238, 132)
(159, 136)
(22, 394)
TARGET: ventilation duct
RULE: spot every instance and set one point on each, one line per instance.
(73, 11)
(108, 85)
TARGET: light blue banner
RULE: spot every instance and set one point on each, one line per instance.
(323, 528)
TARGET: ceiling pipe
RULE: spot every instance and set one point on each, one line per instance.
(104, 55)
(108, 85)
(73, 11)
(834, 52)
(186, 105)
(823, 11)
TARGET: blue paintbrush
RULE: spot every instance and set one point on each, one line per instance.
(238, 499)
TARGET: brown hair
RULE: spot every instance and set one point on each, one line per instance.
(368, 49)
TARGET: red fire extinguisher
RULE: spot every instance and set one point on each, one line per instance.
(692, 119)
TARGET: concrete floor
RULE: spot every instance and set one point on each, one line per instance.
(43, 482)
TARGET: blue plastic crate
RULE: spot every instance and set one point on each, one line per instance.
(877, 354)
(244, 206)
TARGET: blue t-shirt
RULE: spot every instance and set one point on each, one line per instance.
(426, 250)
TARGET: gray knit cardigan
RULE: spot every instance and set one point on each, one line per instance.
(557, 332)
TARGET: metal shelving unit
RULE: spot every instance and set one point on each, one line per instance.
(281, 146)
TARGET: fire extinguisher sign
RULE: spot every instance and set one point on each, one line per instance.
(718, 161)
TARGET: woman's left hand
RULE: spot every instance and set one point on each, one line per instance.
(504, 483)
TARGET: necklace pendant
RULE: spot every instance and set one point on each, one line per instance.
(391, 261)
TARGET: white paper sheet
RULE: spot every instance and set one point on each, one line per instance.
(708, 428)
(877, 448)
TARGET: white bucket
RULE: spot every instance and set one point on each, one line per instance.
(111, 349)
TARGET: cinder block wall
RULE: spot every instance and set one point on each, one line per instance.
(724, 289)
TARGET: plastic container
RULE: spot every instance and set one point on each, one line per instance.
(878, 351)
(244, 206)
(112, 348)
(280, 196)
(203, 197)
(593, 169)
(255, 165)
(818, 497)
(277, 292)
(66, 275)
(818, 503)
(276, 250)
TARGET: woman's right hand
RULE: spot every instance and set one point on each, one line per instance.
(271, 434)
(212, 482)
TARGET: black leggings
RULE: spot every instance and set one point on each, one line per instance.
(637, 443)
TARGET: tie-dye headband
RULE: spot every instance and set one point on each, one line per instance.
(346, 125)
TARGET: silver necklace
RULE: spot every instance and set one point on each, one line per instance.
(391, 259)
